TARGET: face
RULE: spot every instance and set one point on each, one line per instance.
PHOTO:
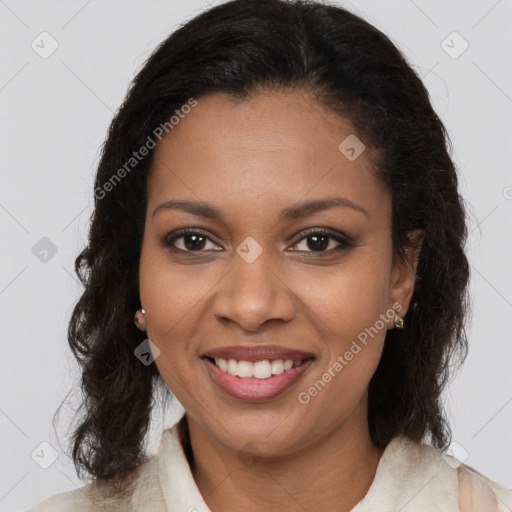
(266, 270)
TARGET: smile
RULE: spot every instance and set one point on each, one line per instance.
(255, 381)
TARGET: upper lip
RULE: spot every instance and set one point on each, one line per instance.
(257, 353)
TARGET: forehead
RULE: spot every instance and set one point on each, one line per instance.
(271, 150)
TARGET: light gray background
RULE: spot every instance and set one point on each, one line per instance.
(54, 117)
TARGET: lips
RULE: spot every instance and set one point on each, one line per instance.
(256, 373)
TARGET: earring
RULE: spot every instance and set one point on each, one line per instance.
(139, 318)
(399, 321)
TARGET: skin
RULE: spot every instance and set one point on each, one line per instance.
(251, 160)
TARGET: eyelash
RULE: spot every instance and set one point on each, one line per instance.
(344, 241)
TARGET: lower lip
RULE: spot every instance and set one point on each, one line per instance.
(252, 389)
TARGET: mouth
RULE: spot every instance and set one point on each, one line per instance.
(256, 373)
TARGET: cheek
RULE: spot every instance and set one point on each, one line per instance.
(351, 310)
(351, 297)
(176, 301)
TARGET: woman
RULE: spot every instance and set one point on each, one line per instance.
(278, 240)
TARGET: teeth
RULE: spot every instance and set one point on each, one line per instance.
(259, 369)
(277, 367)
(232, 367)
(245, 369)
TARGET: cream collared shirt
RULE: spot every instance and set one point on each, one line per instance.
(410, 477)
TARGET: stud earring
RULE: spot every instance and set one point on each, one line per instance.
(399, 321)
(139, 319)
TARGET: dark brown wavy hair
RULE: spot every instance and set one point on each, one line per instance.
(352, 69)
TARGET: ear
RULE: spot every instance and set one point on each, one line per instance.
(403, 274)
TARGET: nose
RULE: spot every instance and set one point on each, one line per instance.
(252, 294)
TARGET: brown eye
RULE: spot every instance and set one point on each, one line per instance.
(323, 242)
(193, 242)
(318, 242)
(189, 241)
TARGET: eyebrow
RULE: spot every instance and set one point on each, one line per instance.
(295, 212)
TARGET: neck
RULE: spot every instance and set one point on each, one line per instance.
(346, 460)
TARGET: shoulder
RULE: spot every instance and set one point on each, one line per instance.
(141, 490)
(422, 476)
(478, 493)
(67, 501)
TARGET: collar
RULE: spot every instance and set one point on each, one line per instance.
(409, 477)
